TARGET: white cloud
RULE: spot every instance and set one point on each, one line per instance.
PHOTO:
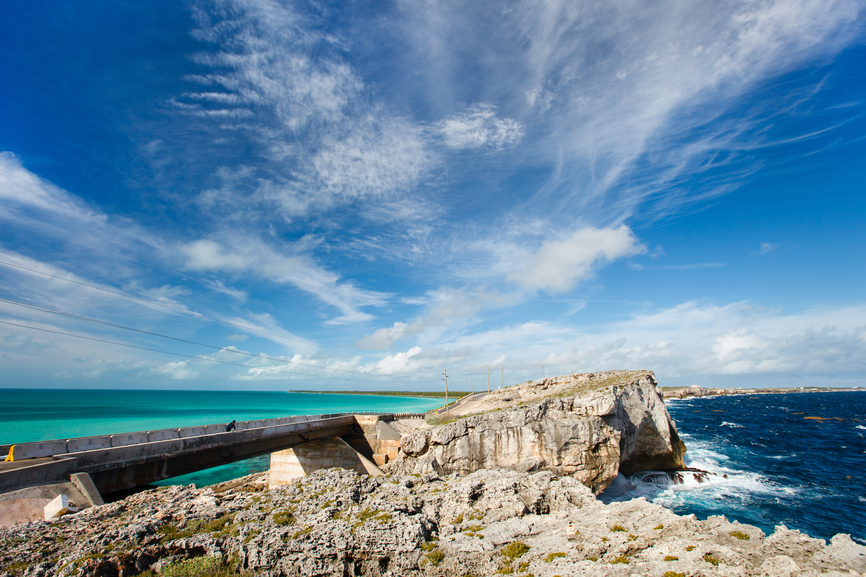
(559, 266)
(445, 307)
(246, 255)
(479, 127)
(766, 247)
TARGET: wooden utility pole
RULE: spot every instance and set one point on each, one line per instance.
(470, 384)
(446, 389)
(488, 377)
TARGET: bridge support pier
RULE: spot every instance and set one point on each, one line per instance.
(291, 464)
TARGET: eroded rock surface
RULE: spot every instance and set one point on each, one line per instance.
(336, 523)
(590, 426)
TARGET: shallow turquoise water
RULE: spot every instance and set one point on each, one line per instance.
(39, 415)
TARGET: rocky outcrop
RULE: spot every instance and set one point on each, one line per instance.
(590, 427)
(336, 523)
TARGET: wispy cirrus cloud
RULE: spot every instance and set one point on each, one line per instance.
(246, 255)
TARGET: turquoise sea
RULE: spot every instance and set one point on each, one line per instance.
(39, 415)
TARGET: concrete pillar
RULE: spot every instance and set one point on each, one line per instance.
(293, 463)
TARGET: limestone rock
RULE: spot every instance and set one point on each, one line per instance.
(590, 429)
(334, 523)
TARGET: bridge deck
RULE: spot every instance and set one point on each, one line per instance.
(128, 460)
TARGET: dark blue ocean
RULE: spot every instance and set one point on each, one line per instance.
(782, 467)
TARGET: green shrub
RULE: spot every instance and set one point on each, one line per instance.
(671, 558)
(458, 519)
(621, 559)
(690, 548)
(514, 550)
(740, 535)
(659, 527)
(507, 570)
(711, 559)
(523, 566)
(617, 529)
(551, 556)
(674, 574)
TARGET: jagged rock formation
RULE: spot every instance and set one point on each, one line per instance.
(336, 523)
(589, 426)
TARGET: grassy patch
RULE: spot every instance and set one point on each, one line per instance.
(506, 570)
(300, 533)
(435, 557)
(658, 527)
(671, 558)
(284, 518)
(592, 557)
(690, 548)
(458, 519)
(200, 567)
(674, 574)
(617, 529)
(711, 559)
(621, 559)
(740, 535)
(551, 556)
(514, 550)
(632, 537)
(220, 527)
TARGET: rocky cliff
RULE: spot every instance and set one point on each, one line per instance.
(590, 426)
(335, 523)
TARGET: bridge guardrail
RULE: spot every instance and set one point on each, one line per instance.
(39, 449)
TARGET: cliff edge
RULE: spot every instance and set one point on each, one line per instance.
(589, 426)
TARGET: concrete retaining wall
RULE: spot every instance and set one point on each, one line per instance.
(162, 435)
(38, 449)
(87, 443)
(128, 439)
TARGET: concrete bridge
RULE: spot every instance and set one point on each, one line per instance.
(128, 460)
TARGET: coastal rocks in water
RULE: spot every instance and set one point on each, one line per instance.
(589, 426)
(336, 523)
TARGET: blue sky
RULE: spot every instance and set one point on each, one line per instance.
(359, 196)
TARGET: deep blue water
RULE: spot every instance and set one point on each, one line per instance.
(781, 467)
(39, 415)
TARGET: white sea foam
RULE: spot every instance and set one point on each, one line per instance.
(732, 425)
(861, 427)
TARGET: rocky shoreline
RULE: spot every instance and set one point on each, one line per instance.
(505, 486)
(337, 523)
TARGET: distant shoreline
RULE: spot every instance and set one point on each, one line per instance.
(419, 394)
(697, 392)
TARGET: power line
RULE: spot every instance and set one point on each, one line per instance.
(184, 311)
(169, 352)
(110, 324)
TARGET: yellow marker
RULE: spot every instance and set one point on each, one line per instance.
(9, 457)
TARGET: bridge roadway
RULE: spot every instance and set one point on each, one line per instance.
(128, 460)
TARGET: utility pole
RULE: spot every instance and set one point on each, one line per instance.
(446, 389)
(470, 384)
(488, 377)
